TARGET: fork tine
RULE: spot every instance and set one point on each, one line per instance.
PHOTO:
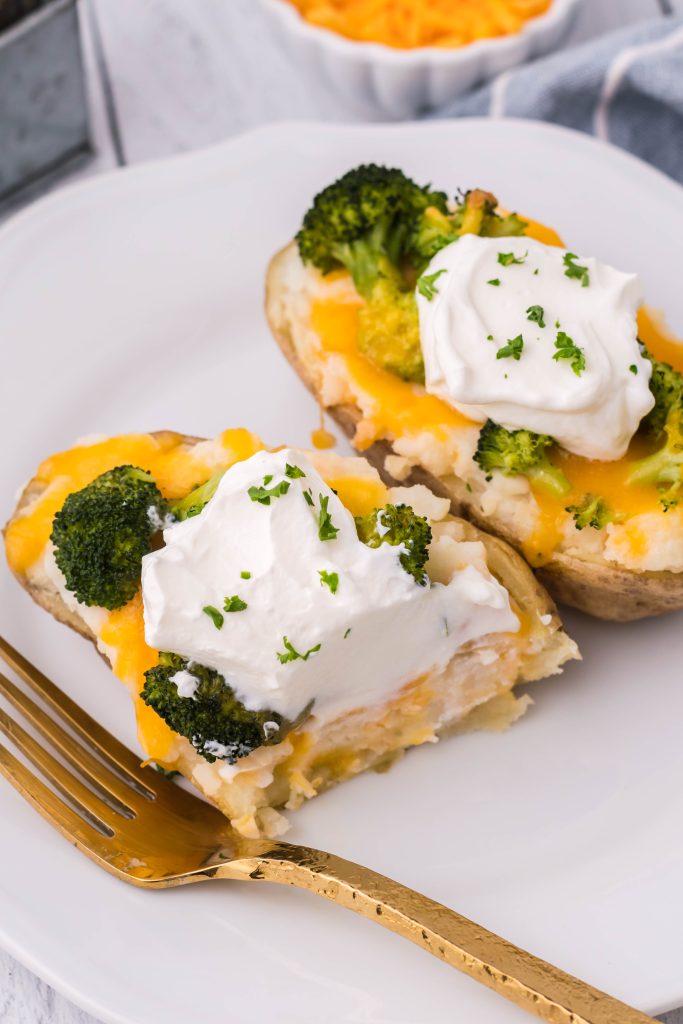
(91, 805)
(90, 731)
(54, 810)
(110, 786)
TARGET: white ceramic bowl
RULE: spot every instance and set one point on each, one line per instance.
(402, 83)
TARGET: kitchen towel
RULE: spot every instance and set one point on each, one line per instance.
(625, 88)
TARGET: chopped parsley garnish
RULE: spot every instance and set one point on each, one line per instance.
(234, 604)
(329, 579)
(294, 472)
(633, 368)
(567, 349)
(536, 271)
(326, 529)
(245, 575)
(507, 259)
(263, 494)
(573, 269)
(535, 314)
(495, 281)
(557, 324)
(426, 285)
(489, 337)
(347, 633)
(308, 497)
(291, 654)
(513, 349)
(214, 615)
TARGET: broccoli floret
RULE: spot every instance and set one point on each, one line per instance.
(520, 452)
(433, 231)
(389, 331)
(398, 524)
(476, 215)
(385, 229)
(194, 502)
(366, 221)
(592, 511)
(663, 468)
(666, 385)
(215, 722)
(102, 533)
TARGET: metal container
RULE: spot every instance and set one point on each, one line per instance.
(43, 104)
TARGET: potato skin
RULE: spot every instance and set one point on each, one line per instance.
(598, 588)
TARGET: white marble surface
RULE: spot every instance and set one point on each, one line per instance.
(185, 74)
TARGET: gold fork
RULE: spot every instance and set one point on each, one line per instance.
(146, 830)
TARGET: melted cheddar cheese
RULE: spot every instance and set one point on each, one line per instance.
(394, 408)
(177, 469)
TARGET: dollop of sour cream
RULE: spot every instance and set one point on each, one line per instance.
(328, 621)
(533, 337)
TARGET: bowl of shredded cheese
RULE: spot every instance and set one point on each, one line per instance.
(402, 57)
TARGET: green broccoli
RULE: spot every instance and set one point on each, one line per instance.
(398, 524)
(476, 215)
(663, 468)
(520, 452)
(215, 722)
(592, 511)
(194, 502)
(385, 229)
(389, 331)
(432, 232)
(102, 533)
(666, 385)
(366, 221)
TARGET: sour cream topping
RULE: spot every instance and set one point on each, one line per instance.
(358, 638)
(531, 336)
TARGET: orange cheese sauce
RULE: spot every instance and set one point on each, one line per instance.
(177, 471)
(608, 479)
(399, 407)
(659, 339)
(360, 495)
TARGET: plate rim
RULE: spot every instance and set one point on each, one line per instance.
(282, 131)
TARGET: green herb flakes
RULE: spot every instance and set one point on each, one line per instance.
(426, 285)
(575, 270)
(329, 579)
(290, 653)
(567, 349)
(513, 349)
(535, 314)
(214, 615)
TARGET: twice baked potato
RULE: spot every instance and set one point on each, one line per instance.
(608, 539)
(96, 518)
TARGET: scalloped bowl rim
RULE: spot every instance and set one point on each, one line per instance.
(293, 22)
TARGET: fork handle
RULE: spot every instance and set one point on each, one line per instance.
(531, 983)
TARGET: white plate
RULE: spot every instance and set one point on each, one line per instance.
(134, 302)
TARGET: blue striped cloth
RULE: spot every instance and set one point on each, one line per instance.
(625, 87)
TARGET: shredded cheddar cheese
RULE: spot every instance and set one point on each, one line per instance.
(408, 24)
